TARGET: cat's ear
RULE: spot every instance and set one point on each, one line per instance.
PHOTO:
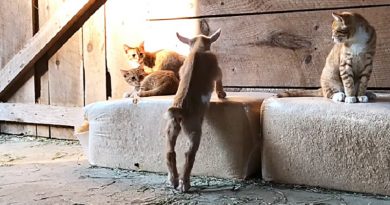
(183, 39)
(215, 35)
(142, 74)
(337, 17)
(124, 72)
(126, 48)
(141, 45)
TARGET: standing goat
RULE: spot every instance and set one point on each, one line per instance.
(198, 76)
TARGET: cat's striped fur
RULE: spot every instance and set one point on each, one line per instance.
(160, 82)
(349, 64)
(153, 61)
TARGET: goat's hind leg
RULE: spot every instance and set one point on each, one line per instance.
(172, 131)
(194, 136)
(218, 85)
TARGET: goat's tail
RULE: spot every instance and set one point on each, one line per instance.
(301, 93)
(174, 113)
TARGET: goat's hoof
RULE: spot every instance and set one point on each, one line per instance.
(221, 94)
(174, 181)
(184, 186)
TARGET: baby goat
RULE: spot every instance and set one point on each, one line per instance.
(199, 74)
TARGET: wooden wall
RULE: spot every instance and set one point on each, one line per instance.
(264, 44)
(278, 43)
(14, 33)
(74, 76)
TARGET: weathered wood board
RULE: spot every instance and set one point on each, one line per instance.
(280, 50)
(94, 53)
(49, 38)
(43, 130)
(14, 33)
(65, 74)
(44, 14)
(157, 9)
(41, 114)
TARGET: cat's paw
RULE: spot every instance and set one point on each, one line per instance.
(184, 186)
(126, 95)
(135, 96)
(221, 94)
(371, 95)
(362, 99)
(173, 181)
(338, 97)
(350, 99)
(136, 99)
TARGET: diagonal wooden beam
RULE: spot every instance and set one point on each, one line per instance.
(41, 114)
(49, 39)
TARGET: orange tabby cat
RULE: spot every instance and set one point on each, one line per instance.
(153, 61)
(161, 82)
(349, 64)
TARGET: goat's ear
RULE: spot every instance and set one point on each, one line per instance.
(337, 17)
(215, 35)
(183, 39)
(126, 48)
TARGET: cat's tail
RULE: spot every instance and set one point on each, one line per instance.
(301, 93)
(84, 127)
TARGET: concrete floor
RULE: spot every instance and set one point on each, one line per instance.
(46, 171)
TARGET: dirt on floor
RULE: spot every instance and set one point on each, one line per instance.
(47, 171)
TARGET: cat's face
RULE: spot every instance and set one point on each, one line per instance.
(342, 27)
(133, 76)
(135, 55)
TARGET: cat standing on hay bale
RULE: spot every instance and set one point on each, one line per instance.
(199, 75)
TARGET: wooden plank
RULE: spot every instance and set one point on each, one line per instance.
(65, 72)
(66, 80)
(41, 114)
(122, 27)
(59, 28)
(43, 130)
(14, 32)
(25, 94)
(40, 72)
(281, 50)
(157, 9)
(94, 52)
(42, 67)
